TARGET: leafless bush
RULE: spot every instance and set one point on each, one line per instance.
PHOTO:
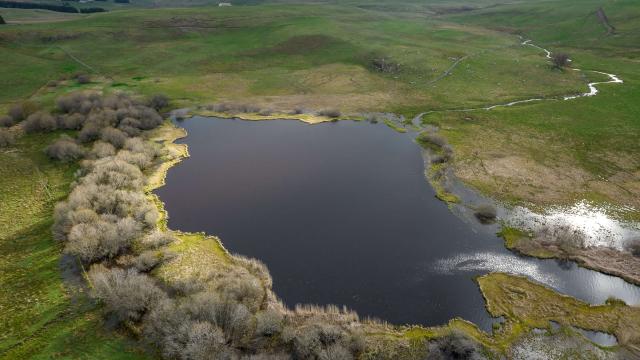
(269, 323)
(221, 107)
(318, 341)
(17, 113)
(247, 108)
(332, 113)
(486, 213)
(71, 121)
(6, 138)
(39, 121)
(431, 140)
(64, 149)
(114, 136)
(633, 246)
(126, 293)
(89, 132)
(21, 111)
(147, 261)
(83, 78)
(105, 238)
(256, 268)
(265, 112)
(238, 286)
(560, 60)
(157, 239)
(280, 356)
(7, 121)
(298, 111)
(566, 237)
(141, 160)
(180, 336)
(454, 346)
(101, 149)
(158, 101)
(74, 103)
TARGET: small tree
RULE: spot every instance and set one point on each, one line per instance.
(2, 22)
(560, 60)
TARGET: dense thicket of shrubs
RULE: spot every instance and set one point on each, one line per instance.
(39, 122)
(217, 313)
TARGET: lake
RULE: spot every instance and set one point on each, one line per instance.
(341, 213)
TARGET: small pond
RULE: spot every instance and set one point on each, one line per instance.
(342, 214)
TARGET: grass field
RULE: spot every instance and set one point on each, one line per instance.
(324, 56)
(318, 56)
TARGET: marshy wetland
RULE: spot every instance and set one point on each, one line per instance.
(341, 213)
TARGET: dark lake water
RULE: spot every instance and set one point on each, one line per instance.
(342, 214)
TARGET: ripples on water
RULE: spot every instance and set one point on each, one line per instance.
(593, 223)
(493, 262)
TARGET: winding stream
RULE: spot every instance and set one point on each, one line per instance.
(613, 79)
(342, 213)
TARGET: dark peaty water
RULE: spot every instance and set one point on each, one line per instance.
(341, 214)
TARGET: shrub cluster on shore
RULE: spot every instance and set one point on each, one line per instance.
(242, 108)
(110, 224)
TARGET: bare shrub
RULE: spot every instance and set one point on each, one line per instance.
(298, 111)
(114, 136)
(83, 78)
(179, 336)
(7, 121)
(269, 323)
(6, 138)
(157, 239)
(332, 113)
(560, 60)
(432, 140)
(317, 341)
(22, 110)
(73, 103)
(221, 107)
(71, 121)
(335, 352)
(101, 149)
(104, 238)
(238, 286)
(39, 121)
(158, 101)
(486, 213)
(566, 237)
(247, 108)
(454, 346)
(265, 112)
(89, 132)
(147, 261)
(263, 356)
(149, 118)
(126, 293)
(64, 149)
(633, 246)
